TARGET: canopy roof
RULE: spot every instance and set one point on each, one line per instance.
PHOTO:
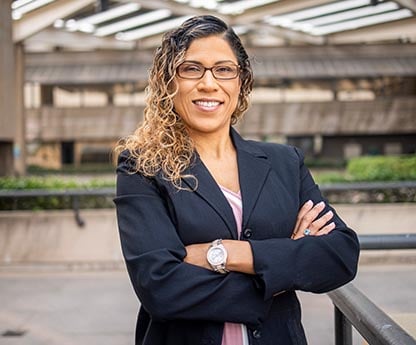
(120, 24)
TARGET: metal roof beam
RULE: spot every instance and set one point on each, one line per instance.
(280, 7)
(410, 4)
(286, 34)
(51, 38)
(403, 30)
(176, 8)
(43, 17)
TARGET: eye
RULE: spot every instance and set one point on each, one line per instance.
(191, 68)
(225, 69)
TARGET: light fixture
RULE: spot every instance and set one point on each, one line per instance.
(59, 23)
(151, 29)
(358, 23)
(197, 3)
(242, 5)
(288, 19)
(19, 3)
(27, 7)
(88, 24)
(133, 22)
(309, 24)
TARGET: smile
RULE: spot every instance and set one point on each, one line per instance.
(207, 104)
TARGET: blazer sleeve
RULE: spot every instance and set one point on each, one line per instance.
(168, 288)
(314, 263)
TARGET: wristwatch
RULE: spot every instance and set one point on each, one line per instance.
(217, 256)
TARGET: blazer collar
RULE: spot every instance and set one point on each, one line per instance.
(253, 168)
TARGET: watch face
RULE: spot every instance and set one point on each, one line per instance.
(216, 256)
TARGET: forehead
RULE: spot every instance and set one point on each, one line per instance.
(210, 50)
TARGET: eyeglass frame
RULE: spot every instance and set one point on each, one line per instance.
(238, 71)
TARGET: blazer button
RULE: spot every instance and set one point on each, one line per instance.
(248, 232)
(257, 334)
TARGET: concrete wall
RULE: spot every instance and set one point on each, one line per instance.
(51, 237)
(54, 237)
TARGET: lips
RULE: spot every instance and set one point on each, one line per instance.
(207, 104)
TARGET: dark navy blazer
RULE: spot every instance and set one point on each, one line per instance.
(182, 304)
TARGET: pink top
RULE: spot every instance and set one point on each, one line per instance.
(234, 333)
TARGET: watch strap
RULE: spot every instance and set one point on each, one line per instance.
(220, 268)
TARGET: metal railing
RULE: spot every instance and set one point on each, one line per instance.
(353, 308)
(74, 194)
(366, 186)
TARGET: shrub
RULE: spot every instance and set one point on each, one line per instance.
(53, 183)
(382, 168)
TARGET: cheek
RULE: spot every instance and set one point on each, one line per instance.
(179, 103)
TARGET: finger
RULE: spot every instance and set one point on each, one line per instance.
(326, 229)
(320, 222)
(309, 217)
(307, 206)
(297, 235)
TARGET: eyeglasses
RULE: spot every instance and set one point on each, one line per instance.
(192, 70)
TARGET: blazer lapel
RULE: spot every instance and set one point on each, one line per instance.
(253, 169)
(209, 190)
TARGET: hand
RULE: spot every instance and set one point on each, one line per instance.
(307, 219)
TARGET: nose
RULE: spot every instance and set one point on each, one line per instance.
(207, 81)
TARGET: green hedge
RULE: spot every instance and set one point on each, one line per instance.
(51, 183)
(52, 202)
(360, 169)
(382, 168)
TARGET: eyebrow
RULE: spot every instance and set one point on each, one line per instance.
(215, 64)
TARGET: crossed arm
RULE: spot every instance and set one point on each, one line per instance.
(240, 256)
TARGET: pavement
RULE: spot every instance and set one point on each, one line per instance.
(55, 306)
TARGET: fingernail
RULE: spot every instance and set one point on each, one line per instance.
(309, 202)
(329, 213)
(322, 203)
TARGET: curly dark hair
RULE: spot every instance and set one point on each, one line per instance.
(161, 142)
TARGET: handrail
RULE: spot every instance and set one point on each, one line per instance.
(74, 194)
(110, 191)
(365, 186)
(352, 307)
(387, 241)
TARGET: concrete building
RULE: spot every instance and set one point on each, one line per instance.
(337, 78)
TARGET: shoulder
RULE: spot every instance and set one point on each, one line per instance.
(126, 163)
(129, 179)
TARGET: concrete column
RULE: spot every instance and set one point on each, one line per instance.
(20, 134)
(7, 90)
(317, 144)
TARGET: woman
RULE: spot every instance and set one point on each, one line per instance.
(218, 232)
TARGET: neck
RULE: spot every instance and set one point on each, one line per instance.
(216, 145)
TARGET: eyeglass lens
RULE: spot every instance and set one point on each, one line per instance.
(197, 71)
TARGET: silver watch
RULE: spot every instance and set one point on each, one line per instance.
(217, 256)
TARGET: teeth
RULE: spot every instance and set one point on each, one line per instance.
(207, 103)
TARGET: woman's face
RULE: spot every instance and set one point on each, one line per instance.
(206, 105)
